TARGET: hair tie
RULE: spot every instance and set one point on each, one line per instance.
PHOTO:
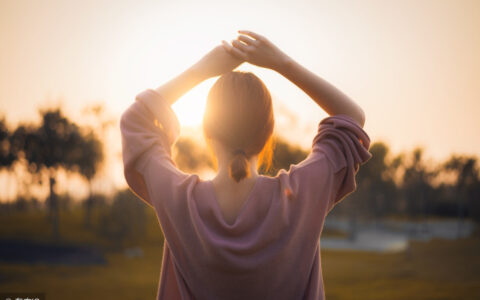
(239, 151)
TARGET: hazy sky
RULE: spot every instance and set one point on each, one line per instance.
(414, 66)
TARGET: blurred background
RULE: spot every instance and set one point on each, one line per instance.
(70, 228)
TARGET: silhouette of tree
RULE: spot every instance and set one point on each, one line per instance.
(7, 154)
(56, 143)
(417, 184)
(190, 157)
(125, 220)
(88, 155)
(90, 162)
(466, 184)
(376, 185)
(284, 155)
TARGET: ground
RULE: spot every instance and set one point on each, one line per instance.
(439, 269)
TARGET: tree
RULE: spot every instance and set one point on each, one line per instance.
(125, 220)
(93, 153)
(7, 153)
(189, 156)
(377, 189)
(417, 184)
(466, 183)
(55, 144)
(284, 155)
(88, 161)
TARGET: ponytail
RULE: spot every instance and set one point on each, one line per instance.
(239, 167)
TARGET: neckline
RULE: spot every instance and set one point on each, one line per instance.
(218, 210)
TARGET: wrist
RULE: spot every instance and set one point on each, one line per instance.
(284, 65)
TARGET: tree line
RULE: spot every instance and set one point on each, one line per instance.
(387, 185)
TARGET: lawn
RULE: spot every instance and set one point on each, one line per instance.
(439, 269)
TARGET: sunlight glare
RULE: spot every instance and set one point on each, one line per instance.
(191, 107)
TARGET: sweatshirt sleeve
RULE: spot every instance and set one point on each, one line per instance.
(149, 128)
(345, 144)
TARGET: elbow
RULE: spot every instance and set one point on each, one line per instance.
(358, 115)
(125, 115)
(361, 117)
(125, 118)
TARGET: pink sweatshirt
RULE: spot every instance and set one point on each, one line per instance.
(272, 251)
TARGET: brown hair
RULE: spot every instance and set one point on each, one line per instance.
(239, 114)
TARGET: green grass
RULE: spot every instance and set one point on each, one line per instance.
(439, 269)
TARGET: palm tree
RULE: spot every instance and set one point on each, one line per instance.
(467, 179)
(88, 163)
(417, 184)
(49, 148)
(7, 154)
(93, 152)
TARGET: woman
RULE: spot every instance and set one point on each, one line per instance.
(242, 235)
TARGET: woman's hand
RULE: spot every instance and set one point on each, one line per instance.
(216, 62)
(257, 50)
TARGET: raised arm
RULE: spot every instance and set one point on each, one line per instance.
(149, 128)
(259, 51)
(214, 63)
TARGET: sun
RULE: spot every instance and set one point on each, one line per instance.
(191, 106)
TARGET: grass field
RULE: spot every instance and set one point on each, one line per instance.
(439, 269)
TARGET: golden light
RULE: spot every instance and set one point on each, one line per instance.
(191, 107)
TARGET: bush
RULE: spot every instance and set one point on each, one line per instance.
(124, 223)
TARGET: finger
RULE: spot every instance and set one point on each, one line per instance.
(226, 46)
(234, 51)
(241, 46)
(246, 39)
(252, 34)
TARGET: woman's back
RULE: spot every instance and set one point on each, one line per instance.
(271, 250)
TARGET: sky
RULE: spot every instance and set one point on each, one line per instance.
(413, 66)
